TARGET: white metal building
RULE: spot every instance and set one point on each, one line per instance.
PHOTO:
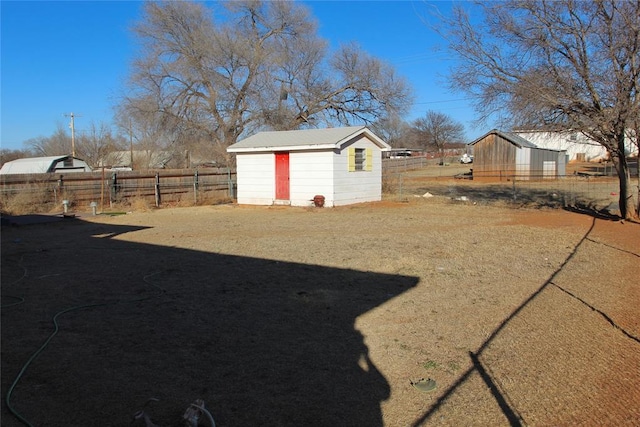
(344, 165)
(578, 146)
(51, 164)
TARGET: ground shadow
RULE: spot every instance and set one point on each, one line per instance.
(593, 211)
(608, 169)
(262, 342)
(512, 417)
(518, 196)
(521, 196)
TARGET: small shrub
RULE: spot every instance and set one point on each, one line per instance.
(453, 365)
(390, 182)
(430, 364)
(139, 204)
(28, 201)
(213, 198)
(185, 200)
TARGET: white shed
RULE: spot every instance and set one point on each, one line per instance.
(344, 165)
(48, 164)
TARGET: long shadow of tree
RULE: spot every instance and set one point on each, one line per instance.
(510, 413)
(521, 196)
(500, 193)
(262, 342)
(509, 409)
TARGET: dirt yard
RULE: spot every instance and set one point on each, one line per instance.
(323, 317)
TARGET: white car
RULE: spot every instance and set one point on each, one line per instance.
(466, 158)
(401, 154)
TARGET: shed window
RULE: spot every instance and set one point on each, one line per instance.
(360, 159)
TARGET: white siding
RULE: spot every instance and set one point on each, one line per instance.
(523, 163)
(532, 163)
(549, 169)
(311, 174)
(256, 178)
(562, 163)
(539, 159)
(580, 144)
(358, 186)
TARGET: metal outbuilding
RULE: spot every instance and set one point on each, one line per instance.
(504, 156)
(578, 147)
(342, 165)
(50, 164)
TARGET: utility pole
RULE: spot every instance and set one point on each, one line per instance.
(131, 143)
(73, 133)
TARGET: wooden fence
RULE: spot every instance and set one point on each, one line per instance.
(106, 188)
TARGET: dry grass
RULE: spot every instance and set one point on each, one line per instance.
(139, 204)
(287, 316)
(35, 200)
(595, 194)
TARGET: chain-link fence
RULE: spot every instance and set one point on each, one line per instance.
(596, 191)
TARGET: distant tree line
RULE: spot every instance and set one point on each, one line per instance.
(434, 133)
(206, 77)
(90, 145)
(200, 84)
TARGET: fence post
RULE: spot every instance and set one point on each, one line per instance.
(113, 188)
(102, 191)
(157, 190)
(60, 190)
(230, 184)
(195, 188)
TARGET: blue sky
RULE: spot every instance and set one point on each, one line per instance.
(74, 56)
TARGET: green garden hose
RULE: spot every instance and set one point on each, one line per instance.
(55, 331)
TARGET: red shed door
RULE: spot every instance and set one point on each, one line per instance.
(282, 176)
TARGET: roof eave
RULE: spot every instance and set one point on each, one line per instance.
(372, 136)
(271, 149)
(503, 135)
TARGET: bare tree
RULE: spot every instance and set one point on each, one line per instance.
(633, 135)
(393, 130)
(7, 155)
(352, 87)
(91, 145)
(555, 63)
(58, 144)
(151, 135)
(94, 144)
(262, 66)
(437, 131)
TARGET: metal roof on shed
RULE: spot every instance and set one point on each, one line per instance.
(517, 140)
(303, 139)
(30, 165)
